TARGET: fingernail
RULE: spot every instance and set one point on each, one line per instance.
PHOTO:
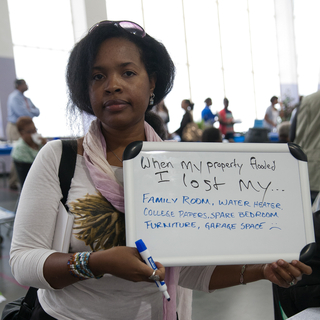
(280, 262)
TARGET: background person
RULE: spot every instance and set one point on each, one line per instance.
(307, 291)
(29, 143)
(284, 131)
(207, 116)
(211, 135)
(308, 138)
(226, 121)
(100, 274)
(305, 132)
(271, 115)
(18, 106)
(293, 119)
(187, 106)
(162, 111)
(25, 150)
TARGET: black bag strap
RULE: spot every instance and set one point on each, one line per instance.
(27, 304)
(67, 167)
(66, 173)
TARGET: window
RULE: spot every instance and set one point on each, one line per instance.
(42, 37)
(220, 48)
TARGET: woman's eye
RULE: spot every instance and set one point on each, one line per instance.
(98, 77)
(129, 73)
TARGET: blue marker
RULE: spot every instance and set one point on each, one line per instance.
(146, 256)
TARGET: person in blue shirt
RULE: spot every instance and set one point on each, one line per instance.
(207, 116)
(18, 106)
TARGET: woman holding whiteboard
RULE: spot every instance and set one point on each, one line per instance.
(116, 72)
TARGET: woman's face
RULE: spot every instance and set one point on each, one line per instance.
(27, 132)
(120, 87)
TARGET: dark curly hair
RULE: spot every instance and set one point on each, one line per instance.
(153, 54)
(273, 99)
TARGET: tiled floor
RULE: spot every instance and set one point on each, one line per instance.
(9, 288)
(252, 301)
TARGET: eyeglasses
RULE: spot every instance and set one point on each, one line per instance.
(129, 26)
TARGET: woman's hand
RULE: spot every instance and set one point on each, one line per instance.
(285, 274)
(281, 273)
(123, 262)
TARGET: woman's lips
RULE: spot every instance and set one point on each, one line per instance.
(115, 105)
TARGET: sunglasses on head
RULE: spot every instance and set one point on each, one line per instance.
(129, 26)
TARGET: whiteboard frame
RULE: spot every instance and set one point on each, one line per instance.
(135, 148)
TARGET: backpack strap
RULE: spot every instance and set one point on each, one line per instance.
(67, 167)
(66, 172)
(27, 304)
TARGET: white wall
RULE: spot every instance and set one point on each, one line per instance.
(7, 66)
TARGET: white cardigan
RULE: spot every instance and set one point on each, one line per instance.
(107, 298)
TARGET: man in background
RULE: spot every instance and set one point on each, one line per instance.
(293, 120)
(207, 116)
(284, 131)
(211, 135)
(18, 106)
(306, 293)
(271, 115)
(226, 121)
(308, 137)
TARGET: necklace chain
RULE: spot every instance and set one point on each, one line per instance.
(116, 156)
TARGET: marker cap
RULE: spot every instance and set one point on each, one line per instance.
(140, 245)
(166, 295)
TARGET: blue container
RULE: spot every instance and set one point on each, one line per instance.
(258, 123)
(273, 136)
(239, 139)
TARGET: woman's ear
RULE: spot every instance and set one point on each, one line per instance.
(152, 81)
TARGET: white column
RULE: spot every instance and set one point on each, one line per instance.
(7, 66)
(96, 11)
(286, 50)
(187, 56)
(86, 13)
(79, 19)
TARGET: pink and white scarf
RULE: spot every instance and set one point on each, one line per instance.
(104, 179)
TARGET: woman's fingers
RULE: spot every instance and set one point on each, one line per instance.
(126, 262)
(302, 267)
(295, 268)
(147, 272)
(282, 273)
(161, 270)
(289, 274)
(156, 275)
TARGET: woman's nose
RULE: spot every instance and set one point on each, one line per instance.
(113, 84)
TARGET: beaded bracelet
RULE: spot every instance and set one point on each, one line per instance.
(241, 274)
(78, 266)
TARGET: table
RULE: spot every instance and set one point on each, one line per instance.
(5, 150)
(6, 218)
(5, 158)
(308, 314)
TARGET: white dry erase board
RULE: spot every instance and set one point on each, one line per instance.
(215, 203)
